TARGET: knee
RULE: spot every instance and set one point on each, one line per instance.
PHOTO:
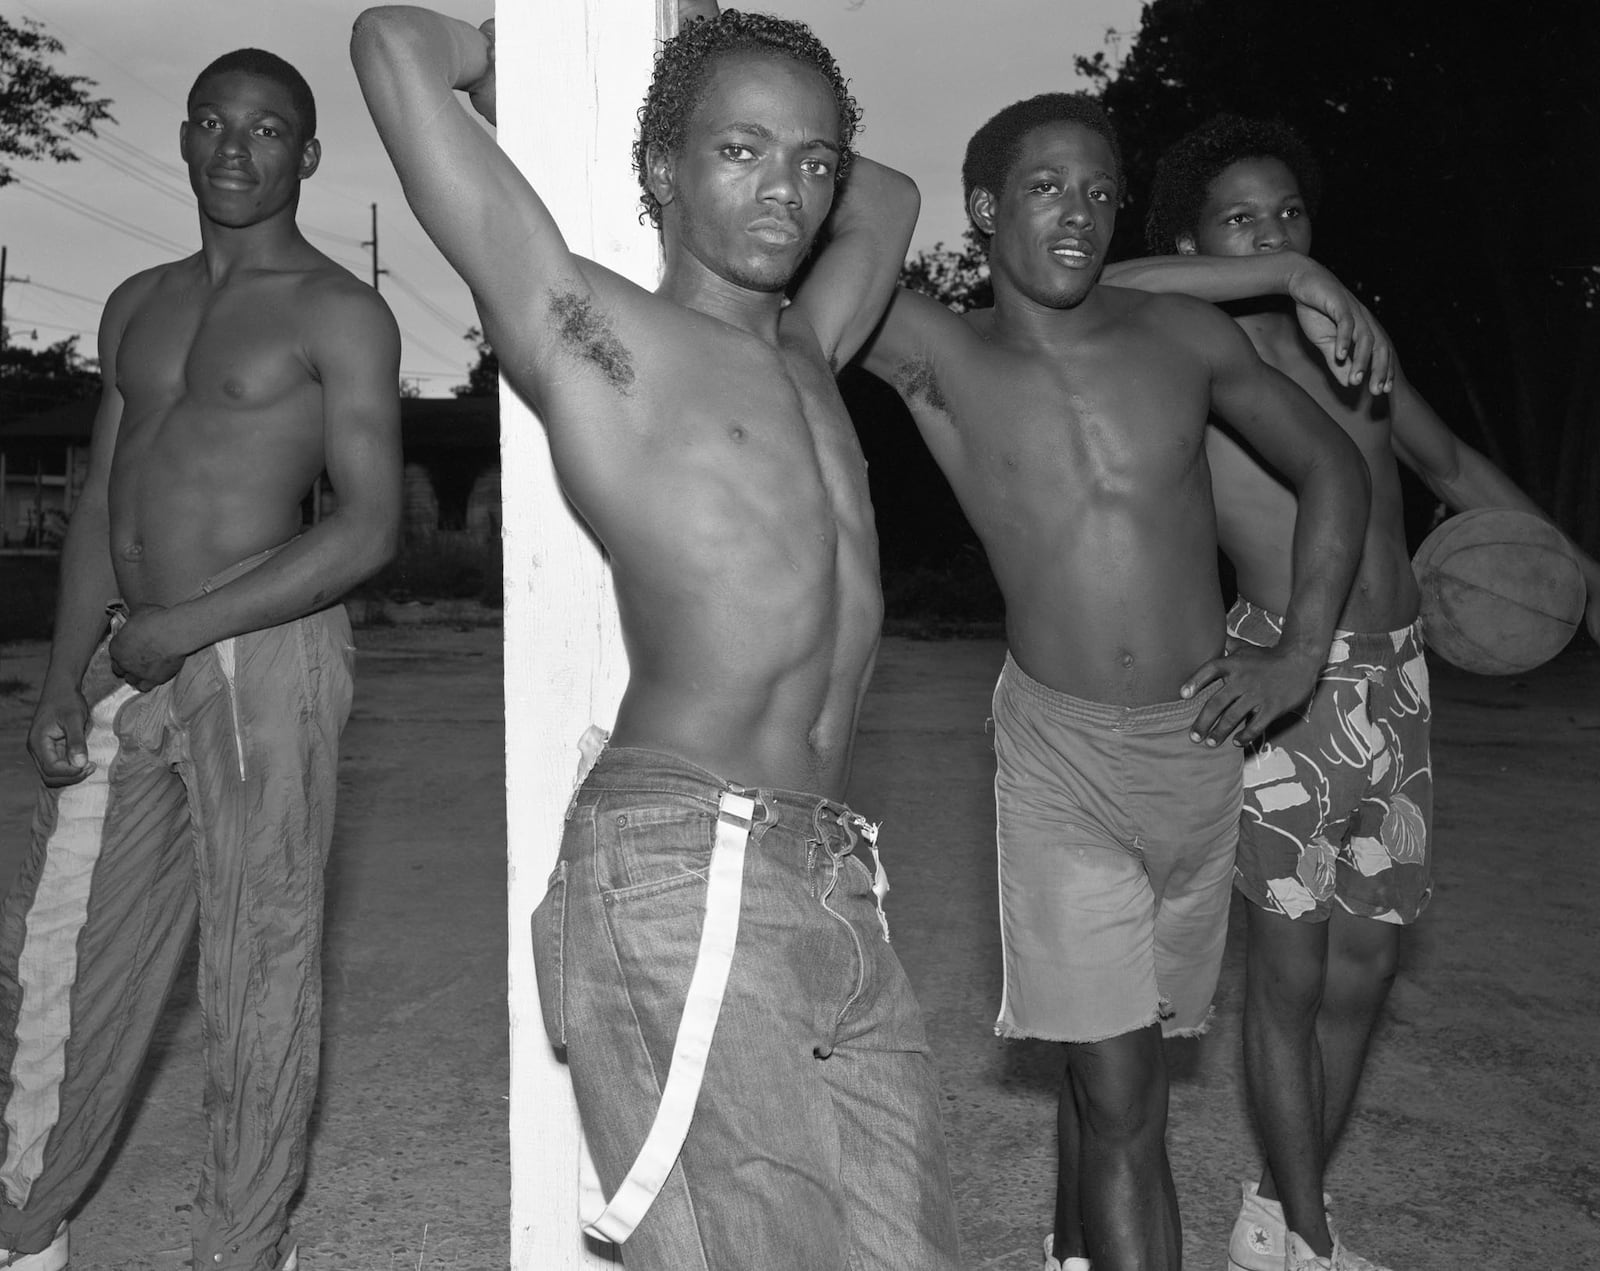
(1364, 964)
(1122, 1099)
(1288, 988)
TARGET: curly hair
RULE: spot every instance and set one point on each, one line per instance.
(1185, 172)
(993, 148)
(269, 66)
(683, 67)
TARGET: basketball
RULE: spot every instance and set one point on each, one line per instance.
(1501, 591)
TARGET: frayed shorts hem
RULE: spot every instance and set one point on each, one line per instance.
(1016, 1032)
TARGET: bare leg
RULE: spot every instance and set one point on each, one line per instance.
(1284, 973)
(1129, 1206)
(1362, 957)
(1070, 1241)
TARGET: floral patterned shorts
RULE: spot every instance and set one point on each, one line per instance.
(1338, 802)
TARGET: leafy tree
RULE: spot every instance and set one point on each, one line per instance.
(959, 279)
(35, 380)
(483, 379)
(1461, 200)
(40, 108)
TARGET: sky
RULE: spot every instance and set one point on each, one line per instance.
(927, 73)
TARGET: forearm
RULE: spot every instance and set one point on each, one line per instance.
(1214, 278)
(1328, 535)
(310, 573)
(88, 584)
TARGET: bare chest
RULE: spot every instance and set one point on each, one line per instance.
(1108, 424)
(216, 356)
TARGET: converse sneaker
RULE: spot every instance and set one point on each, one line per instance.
(52, 1259)
(1260, 1241)
(1053, 1263)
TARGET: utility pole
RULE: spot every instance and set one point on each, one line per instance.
(2, 297)
(373, 243)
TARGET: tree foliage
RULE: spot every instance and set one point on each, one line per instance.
(956, 278)
(1461, 200)
(483, 377)
(33, 381)
(39, 107)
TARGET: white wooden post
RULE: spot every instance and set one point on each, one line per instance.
(571, 75)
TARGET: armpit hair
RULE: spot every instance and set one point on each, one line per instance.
(590, 336)
(916, 378)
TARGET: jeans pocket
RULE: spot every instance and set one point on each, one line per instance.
(549, 926)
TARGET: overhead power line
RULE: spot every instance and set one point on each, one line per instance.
(106, 219)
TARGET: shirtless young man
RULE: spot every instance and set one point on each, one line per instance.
(1070, 420)
(188, 746)
(698, 431)
(1335, 844)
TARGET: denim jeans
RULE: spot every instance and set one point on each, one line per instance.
(816, 1143)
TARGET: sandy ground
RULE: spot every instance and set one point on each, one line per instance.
(1475, 1140)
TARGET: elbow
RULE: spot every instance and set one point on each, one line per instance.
(377, 35)
(385, 546)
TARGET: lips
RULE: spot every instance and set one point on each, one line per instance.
(1072, 251)
(230, 178)
(778, 233)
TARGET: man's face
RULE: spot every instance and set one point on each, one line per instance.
(1253, 206)
(1051, 224)
(243, 146)
(754, 179)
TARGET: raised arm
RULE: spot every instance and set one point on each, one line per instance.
(1291, 433)
(468, 195)
(1464, 479)
(355, 348)
(1355, 346)
(851, 281)
(88, 583)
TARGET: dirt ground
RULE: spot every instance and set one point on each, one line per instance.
(1475, 1140)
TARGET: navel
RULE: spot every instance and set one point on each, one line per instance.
(133, 551)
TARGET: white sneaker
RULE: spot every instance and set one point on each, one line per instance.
(1053, 1263)
(52, 1259)
(1260, 1238)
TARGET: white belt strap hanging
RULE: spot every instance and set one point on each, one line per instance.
(616, 1219)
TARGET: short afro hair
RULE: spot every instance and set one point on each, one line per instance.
(683, 65)
(994, 147)
(1185, 173)
(268, 66)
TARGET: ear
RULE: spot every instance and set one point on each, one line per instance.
(981, 208)
(310, 157)
(659, 174)
(1187, 245)
(183, 141)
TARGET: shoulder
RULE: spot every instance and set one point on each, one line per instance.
(338, 307)
(137, 289)
(1189, 324)
(134, 301)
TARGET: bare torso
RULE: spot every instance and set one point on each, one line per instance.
(221, 430)
(1084, 473)
(724, 478)
(1256, 511)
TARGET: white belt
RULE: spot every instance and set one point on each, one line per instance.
(615, 1220)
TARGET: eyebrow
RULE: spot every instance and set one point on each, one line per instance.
(766, 134)
(254, 114)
